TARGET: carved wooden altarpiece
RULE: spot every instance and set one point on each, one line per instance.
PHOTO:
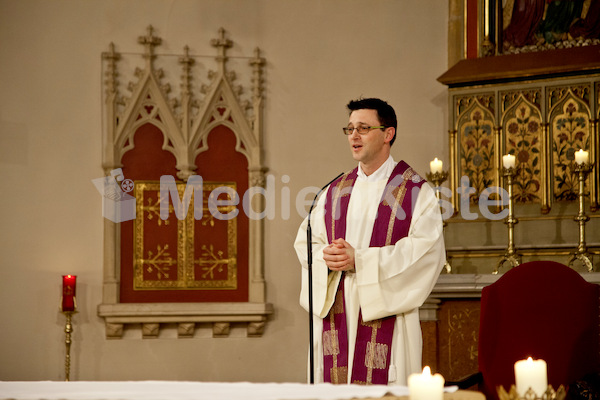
(535, 96)
(204, 266)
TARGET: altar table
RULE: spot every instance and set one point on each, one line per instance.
(180, 390)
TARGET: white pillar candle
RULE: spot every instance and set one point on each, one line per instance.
(426, 386)
(436, 166)
(582, 157)
(531, 374)
(508, 161)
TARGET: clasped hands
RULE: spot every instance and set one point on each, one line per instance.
(339, 256)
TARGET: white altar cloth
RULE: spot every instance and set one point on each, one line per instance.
(178, 390)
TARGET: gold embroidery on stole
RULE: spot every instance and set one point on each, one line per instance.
(338, 192)
(331, 343)
(399, 193)
(376, 354)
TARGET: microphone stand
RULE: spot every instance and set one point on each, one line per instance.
(310, 284)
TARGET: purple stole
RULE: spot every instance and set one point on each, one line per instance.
(373, 346)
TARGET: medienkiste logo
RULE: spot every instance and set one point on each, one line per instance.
(119, 206)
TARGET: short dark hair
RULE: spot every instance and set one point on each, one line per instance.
(385, 112)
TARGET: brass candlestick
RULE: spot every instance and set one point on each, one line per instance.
(550, 394)
(582, 254)
(68, 331)
(437, 178)
(511, 254)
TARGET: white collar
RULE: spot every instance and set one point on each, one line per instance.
(382, 173)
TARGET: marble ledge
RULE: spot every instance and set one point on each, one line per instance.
(151, 317)
(470, 285)
(467, 286)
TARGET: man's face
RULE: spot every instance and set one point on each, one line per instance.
(371, 147)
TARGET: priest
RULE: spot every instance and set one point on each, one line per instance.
(378, 250)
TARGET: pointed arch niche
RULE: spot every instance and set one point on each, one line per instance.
(191, 272)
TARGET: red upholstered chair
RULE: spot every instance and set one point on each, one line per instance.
(544, 310)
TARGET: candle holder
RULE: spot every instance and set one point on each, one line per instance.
(437, 178)
(68, 332)
(582, 254)
(511, 256)
(68, 341)
(550, 394)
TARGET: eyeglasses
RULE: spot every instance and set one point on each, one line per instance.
(362, 130)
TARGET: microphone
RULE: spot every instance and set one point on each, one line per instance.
(310, 285)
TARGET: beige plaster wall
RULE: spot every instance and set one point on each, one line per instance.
(320, 54)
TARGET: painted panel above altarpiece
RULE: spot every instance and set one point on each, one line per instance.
(484, 28)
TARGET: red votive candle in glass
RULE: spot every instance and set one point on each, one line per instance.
(68, 294)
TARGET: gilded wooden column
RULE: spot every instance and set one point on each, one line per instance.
(453, 168)
(546, 169)
(593, 182)
(456, 38)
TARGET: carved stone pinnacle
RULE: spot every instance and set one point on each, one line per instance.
(149, 41)
(222, 44)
